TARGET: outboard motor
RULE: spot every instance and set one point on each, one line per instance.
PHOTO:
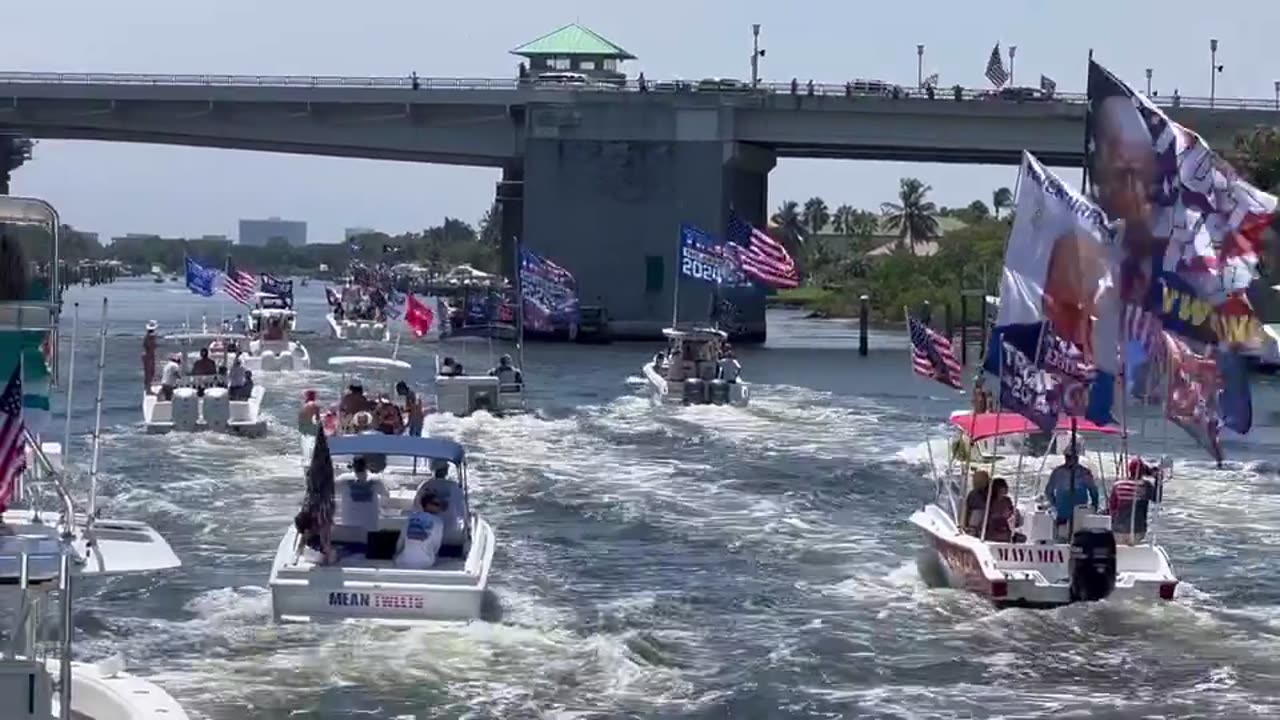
(1093, 564)
(286, 360)
(269, 361)
(719, 391)
(695, 392)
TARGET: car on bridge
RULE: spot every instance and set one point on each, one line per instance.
(562, 78)
(722, 85)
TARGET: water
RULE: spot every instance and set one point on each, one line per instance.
(685, 563)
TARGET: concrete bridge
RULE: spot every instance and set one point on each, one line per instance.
(598, 177)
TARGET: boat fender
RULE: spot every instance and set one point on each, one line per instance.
(1093, 564)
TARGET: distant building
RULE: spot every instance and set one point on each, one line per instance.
(257, 233)
(354, 232)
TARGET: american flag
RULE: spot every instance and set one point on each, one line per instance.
(931, 355)
(762, 257)
(995, 68)
(239, 284)
(13, 455)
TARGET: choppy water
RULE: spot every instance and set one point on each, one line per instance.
(684, 563)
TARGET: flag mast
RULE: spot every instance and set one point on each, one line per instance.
(675, 291)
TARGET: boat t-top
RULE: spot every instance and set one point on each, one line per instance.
(377, 377)
(49, 541)
(697, 368)
(272, 323)
(212, 397)
(375, 572)
(1027, 554)
(353, 315)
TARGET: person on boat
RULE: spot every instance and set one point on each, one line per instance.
(412, 408)
(309, 414)
(246, 391)
(675, 364)
(149, 357)
(205, 365)
(353, 402)
(387, 417)
(362, 422)
(275, 330)
(728, 368)
(1002, 515)
(423, 533)
(361, 498)
(239, 326)
(450, 367)
(170, 376)
(981, 398)
(507, 373)
(1131, 499)
(975, 503)
(1070, 485)
(236, 378)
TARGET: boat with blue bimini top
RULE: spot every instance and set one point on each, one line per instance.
(393, 540)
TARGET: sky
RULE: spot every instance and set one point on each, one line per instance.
(116, 188)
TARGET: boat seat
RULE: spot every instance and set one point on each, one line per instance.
(455, 514)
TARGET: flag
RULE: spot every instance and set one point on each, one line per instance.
(318, 503)
(995, 68)
(200, 280)
(550, 292)
(1190, 227)
(276, 286)
(931, 355)
(1025, 389)
(931, 81)
(418, 316)
(13, 449)
(332, 297)
(1193, 395)
(762, 257)
(1047, 85)
(239, 284)
(1058, 284)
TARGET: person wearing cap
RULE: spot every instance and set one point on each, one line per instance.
(1130, 500)
(308, 414)
(507, 373)
(1070, 485)
(423, 533)
(149, 357)
(170, 376)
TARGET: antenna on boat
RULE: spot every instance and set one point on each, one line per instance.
(97, 423)
(71, 383)
(517, 278)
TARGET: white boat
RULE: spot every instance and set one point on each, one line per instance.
(272, 323)
(1036, 570)
(365, 582)
(377, 376)
(49, 542)
(699, 377)
(200, 402)
(464, 394)
(358, 329)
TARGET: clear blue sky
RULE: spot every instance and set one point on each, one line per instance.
(117, 188)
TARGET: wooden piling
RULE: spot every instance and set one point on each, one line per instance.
(864, 322)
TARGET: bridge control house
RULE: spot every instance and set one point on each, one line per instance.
(573, 50)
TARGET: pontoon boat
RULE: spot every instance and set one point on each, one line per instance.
(48, 542)
(1035, 569)
(695, 370)
(365, 582)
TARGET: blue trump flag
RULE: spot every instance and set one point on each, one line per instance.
(200, 279)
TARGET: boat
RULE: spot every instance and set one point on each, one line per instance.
(378, 376)
(365, 582)
(465, 394)
(342, 324)
(272, 323)
(1037, 570)
(700, 378)
(50, 542)
(200, 402)
(157, 273)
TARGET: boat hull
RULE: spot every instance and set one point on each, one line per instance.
(103, 695)
(454, 591)
(667, 392)
(461, 395)
(1032, 574)
(271, 358)
(352, 330)
(244, 419)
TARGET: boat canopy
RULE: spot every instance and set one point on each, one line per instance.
(989, 425)
(432, 448)
(368, 362)
(27, 211)
(202, 336)
(695, 333)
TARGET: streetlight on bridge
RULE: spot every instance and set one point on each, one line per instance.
(1013, 49)
(1278, 95)
(1149, 71)
(919, 66)
(1214, 69)
(756, 54)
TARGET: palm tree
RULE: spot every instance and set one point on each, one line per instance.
(1001, 199)
(913, 217)
(863, 224)
(815, 215)
(791, 229)
(841, 219)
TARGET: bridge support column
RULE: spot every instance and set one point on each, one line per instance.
(611, 211)
(510, 199)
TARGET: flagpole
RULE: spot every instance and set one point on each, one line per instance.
(71, 381)
(518, 278)
(928, 441)
(675, 291)
(97, 423)
(1084, 163)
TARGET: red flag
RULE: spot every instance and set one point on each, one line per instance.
(418, 316)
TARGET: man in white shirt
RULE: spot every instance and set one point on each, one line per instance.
(238, 326)
(170, 376)
(423, 532)
(236, 379)
(361, 498)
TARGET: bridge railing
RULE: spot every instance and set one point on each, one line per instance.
(727, 87)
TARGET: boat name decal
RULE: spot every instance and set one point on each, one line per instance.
(1029, 555)
(381, 601)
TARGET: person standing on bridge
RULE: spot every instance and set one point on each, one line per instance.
(413, 80)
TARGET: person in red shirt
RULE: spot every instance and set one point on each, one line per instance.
(1130, 501)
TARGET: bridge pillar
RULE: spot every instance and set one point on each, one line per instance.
(610, 212)
(510, 199)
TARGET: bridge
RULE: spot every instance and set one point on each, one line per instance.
(597, 176)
